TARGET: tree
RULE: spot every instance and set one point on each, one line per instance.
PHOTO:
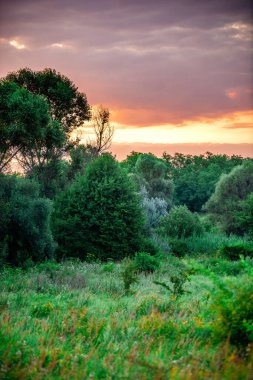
(226, 203)
(99, 214)
(195, 177)
(24, 222)
(25, 125)
(150, 171)
(103, 130)
(67, 105)
(53, 177)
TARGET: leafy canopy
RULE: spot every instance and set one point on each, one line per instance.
(99, 214)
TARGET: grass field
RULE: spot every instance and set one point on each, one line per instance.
(75, 321)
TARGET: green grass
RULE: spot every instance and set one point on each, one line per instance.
(75, 321)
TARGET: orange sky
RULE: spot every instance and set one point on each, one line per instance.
(171, 72)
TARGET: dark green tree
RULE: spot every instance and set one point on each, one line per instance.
(25, 233)
(99, 214)
(25, 125)
(67, 105)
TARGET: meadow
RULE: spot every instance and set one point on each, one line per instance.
(76, 320)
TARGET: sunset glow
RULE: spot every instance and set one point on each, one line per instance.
(170, 72)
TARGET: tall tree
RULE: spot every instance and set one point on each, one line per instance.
(67, 105)
(26, 128)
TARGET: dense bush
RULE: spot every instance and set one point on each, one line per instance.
(233, 310)
(181, 223)
(24, 222)
(144, 262)
(178, 247)
(99, 214)
(233, 251)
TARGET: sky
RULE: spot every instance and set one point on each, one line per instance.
(177, 75)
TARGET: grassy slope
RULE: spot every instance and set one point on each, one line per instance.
(73, 321)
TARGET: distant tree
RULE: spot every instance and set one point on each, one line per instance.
(67, 105)
(149, 171)
(99, 214)
(25, 233)
(195, 177)
(226, 203)
(26, 129)
(130, 162)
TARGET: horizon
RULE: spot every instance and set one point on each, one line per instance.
(173, 74)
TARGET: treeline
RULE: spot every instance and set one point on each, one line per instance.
(75, 200)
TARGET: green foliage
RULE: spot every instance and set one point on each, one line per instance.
(195, 177)
(40, 311)
(181, 223)
(144, 262)
(24, 225)
(67, 105)
(207, 243)
(178, 281)
(99, 214)
(25, 124)
(96, 331)
(150, 246)
(233, 251)
(244, 216)
(109, 267)
(232, 307)
(150, 172)
(129, 274)
(52, 177)
(229, 196)
(178, 247)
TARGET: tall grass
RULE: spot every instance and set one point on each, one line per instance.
(75, 321)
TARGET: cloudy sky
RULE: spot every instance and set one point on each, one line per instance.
(171, 71)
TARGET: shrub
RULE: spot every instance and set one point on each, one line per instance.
(233, 310)
(181, 223)
(233, 251)
(109, 267)
(149, 246)
(178, 247)
(129, 274)
(144, 262)
(44, 310)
